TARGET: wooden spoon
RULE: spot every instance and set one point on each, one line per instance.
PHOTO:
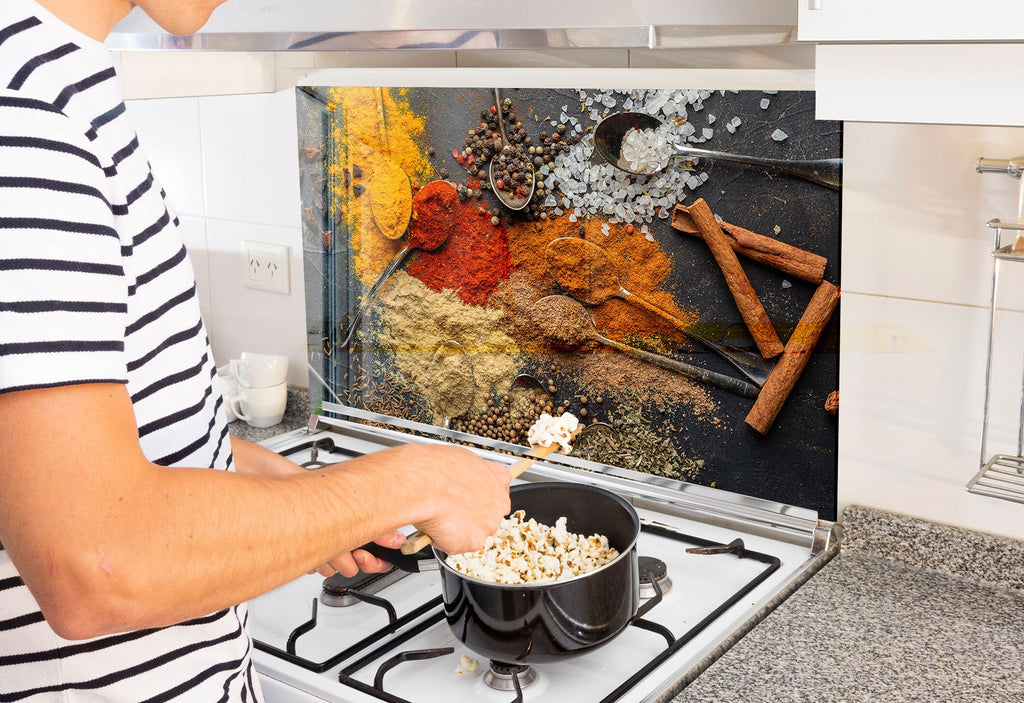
(418, 540)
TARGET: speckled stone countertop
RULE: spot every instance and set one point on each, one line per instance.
(296, 414)
(909, 610)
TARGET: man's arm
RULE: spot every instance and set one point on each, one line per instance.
(107, 541)
(253, 459)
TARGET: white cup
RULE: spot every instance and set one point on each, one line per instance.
(260, 407)
(228, 388)
(259, 370)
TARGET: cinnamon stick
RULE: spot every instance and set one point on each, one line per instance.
(753, 313)
(791, 364)
(783, 257)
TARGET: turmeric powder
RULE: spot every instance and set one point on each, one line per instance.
(357, 154)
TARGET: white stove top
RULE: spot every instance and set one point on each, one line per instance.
(701, 584)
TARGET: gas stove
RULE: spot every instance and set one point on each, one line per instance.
(713, 564)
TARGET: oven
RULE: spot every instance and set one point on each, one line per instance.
(712, 563)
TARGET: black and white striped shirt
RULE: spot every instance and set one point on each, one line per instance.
(95, 286)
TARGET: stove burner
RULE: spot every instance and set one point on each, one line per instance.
(315, 463)
(652, 569)
(337, 590)
(500, 676)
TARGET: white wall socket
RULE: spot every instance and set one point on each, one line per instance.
(265, 266)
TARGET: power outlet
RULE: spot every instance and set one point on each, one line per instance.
(265, 266)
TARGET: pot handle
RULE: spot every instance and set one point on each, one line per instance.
(413, 563)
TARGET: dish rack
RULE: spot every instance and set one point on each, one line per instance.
(1001, 475)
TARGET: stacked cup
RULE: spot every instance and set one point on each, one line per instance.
(262, 391)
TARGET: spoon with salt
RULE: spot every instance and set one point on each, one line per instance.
(586, 272)
(521, 197)
(425, 235)
(568, 324)
(610, 133)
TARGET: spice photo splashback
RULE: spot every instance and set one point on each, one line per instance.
(683, 305)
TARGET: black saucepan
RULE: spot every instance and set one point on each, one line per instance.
(542, 622)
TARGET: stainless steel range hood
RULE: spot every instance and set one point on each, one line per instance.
(357, 25)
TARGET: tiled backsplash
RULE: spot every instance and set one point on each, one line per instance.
(915, 274)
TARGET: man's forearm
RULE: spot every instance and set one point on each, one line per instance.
(107, 541)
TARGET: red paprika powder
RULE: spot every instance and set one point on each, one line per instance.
(472, 261)
(432, 222)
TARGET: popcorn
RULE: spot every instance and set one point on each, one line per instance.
(525, 551)
(467, 665)
(549, 430)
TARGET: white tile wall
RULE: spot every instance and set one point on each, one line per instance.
(250, 158)
(244, 319)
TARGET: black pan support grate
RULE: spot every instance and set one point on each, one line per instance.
(432, 613)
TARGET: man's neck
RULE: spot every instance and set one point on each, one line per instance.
(94, 18)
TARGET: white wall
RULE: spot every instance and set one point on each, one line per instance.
(916, 281)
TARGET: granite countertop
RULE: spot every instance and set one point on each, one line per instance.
(296, 415)
(909, 610)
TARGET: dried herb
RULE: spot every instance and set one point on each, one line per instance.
(636, 443)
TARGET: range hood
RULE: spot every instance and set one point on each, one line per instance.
(357, 25)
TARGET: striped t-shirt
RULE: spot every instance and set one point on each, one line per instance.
(96, 287)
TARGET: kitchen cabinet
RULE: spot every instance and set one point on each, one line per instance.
(932, 21)
(916, 62)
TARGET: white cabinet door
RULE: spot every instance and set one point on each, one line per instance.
(910, 20)
(927, 83)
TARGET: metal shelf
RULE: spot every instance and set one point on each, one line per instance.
(1002, 475)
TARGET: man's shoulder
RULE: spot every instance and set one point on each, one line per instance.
(30, 126)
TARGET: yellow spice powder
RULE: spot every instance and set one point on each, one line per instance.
(359, 139)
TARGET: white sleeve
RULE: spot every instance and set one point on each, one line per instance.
(63, 292)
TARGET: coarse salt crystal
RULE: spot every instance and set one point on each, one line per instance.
(778, 135)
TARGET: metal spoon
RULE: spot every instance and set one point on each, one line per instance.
(391, 208)
(449, 378)
(610, 132)
(355, 315)
(512, 202)
(571, 315)
(573, 260)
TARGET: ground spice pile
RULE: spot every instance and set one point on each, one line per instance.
(390, 199)
(415, 321)
(642, 267)
(450, 392)
(473, 260)
(358, 154)
(432, 215)
(564, 321)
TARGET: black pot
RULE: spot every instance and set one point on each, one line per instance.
(543, 622)
(535, 623)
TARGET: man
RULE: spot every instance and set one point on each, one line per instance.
(123, 555)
